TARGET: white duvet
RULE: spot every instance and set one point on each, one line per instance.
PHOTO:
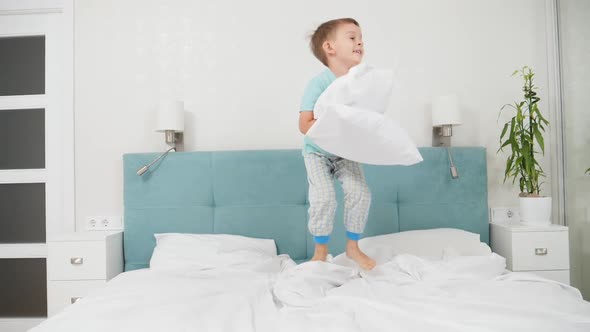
(146, 300)
(459, 294)
(406, 293)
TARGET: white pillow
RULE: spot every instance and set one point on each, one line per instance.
(364, 86)
(209, 251)
(351, 124)
(430, 243)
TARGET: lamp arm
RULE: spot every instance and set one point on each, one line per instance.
(454, 173)
(146, 167)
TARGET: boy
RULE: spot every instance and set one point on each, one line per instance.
(338, 45)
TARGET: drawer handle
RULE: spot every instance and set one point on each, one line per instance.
(540, 251)
(75, 299)
(77, 260)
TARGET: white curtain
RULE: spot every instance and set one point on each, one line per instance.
(574, 33)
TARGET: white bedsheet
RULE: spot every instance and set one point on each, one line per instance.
(407, 293)
(304, 284)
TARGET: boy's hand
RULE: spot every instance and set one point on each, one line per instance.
(306, 120)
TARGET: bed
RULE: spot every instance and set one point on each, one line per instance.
(263, 195)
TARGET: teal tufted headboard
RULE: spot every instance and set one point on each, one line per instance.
(264, 194)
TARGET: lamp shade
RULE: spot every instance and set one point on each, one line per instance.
(170, 116)
(445, 111)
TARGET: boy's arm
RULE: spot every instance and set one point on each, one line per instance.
(306, 120)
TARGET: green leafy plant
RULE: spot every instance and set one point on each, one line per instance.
(523, 133)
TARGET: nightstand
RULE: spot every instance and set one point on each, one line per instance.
(78, 263)
(542, 250)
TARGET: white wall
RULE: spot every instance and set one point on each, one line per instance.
(241, 67)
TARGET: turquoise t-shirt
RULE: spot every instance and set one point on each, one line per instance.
(314, 89)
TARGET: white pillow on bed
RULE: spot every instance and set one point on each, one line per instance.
(430, 243)
(209, 251)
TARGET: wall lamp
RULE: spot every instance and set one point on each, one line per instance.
(170, 121)
(445, 115)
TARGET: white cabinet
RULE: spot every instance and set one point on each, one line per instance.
(79, 263)
(542, 250)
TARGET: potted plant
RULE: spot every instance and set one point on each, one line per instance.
(523, 134)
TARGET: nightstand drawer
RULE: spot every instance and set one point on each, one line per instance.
(540, 251)
(76, 260)
(64, 293)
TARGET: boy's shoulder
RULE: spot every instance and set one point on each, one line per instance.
(315, 88)
(323, 79)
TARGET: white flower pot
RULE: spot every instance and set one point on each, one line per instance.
(535, 210)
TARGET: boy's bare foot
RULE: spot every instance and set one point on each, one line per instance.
(321, 252)
(354, 252)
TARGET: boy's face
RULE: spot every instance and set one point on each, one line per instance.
(346, 46)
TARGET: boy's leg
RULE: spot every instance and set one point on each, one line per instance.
(322, 201)
(357, 196)
(357, 201)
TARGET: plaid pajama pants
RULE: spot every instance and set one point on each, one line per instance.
(321, 171)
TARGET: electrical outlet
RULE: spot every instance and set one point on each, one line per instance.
(505, 214)
(104, 223)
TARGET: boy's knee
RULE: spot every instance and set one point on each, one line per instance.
(361, 194)
(367, 195)
(326, 203)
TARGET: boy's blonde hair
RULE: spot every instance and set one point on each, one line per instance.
(322, 33)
